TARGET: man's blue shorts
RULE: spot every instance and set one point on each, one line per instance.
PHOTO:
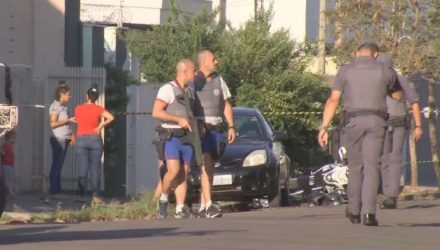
(175, 150)
(212, 140)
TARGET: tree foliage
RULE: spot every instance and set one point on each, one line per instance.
(114, 142)
(267, 70)
(408, 30)
(181, 37)
(263, 69)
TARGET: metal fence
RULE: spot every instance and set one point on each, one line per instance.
(33, 97)
(79, 81)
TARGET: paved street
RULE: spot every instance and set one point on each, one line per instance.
(415, 225)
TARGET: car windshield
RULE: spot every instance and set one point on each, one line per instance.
(248, 128)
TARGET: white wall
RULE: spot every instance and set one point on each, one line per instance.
(299, 17)
(151, 12)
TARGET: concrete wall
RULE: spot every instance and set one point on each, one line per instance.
(16, 31)
(142, 169)
(32, 33)
(32, 43)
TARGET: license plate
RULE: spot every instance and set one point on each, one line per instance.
(222, 180)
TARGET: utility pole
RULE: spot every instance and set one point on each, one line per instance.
(222, 14)
(322, 36)
(120, 22)
(258, 5)
(255, 8)
(338, 30)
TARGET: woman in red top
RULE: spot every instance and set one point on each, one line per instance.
(91, 119)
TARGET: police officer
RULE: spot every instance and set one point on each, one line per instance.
(174, 124)
(397, 127)
(212, 107)
(365, 84)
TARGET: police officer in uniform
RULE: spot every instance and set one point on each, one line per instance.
(174, 125)
(398, 124)
(213, 108)
(365, 84)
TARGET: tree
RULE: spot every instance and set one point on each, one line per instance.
(181, 37)
(267, 70)
(263, 69)
(408, 30)
(114, 141)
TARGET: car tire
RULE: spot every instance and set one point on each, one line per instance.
(275, 200)
(285, 195)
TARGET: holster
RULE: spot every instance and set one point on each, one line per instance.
(223, 126)
(221, 147)
(162, 135)
(160, 148)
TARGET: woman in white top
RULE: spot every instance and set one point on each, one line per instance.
(61, 134)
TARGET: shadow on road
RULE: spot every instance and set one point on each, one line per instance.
(51, 234)
(420, 225)
(421, 206)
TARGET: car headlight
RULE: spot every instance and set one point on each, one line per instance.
(256, 158)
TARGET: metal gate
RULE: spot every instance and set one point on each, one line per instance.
(79, 81)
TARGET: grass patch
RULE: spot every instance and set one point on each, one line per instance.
(419, 193)
(141, 207)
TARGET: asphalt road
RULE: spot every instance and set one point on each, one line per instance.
(415, 225)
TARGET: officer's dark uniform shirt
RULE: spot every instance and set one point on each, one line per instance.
(360, 94)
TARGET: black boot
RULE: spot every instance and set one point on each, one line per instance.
(389, 203)
(354, 219)
(370, 220)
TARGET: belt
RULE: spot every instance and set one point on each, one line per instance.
(364, 112)
(221, 126)
(398, 121)
(177, 132)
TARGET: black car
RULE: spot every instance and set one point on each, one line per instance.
(253, 168)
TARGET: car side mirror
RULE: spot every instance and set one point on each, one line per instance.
(279, 136)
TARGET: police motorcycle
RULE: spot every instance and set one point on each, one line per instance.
(325, 186)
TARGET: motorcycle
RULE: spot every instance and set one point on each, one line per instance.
(324, 186)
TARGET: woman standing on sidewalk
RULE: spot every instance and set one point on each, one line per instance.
(61, 134)
(91, 119)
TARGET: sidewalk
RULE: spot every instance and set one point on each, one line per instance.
(42, 202)
(36, 203)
